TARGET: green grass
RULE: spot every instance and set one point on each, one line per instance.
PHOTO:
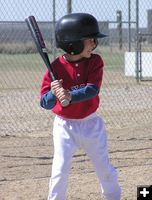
(114, 60)
(33, 62)
(21, 62)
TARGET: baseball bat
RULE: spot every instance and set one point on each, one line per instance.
(39, 42)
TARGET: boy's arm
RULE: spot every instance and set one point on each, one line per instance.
(84, 94)
(47, 99)
(51, 91)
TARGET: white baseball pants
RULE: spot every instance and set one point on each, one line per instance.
(90, 134)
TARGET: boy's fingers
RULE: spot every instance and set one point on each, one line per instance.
(55, 85)
(63, 94)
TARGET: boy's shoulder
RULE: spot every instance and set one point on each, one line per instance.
(57, 59)
(96, 58)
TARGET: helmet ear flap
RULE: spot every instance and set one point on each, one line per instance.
(73, 47)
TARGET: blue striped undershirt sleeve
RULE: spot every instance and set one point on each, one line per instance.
(48, 101)
(84, 94)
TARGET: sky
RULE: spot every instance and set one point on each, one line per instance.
(103, 10)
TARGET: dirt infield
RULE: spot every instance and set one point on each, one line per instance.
(26, 166)
(26, 149)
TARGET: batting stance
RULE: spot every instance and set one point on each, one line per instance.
(79, 75)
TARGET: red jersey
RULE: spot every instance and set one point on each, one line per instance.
(76, 75)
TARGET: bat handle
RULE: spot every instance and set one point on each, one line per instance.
(65, 102)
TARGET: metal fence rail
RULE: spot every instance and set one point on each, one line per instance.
(125, 100)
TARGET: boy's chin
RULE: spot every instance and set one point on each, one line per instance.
(87, 55)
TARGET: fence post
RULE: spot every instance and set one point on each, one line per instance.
(54, 21)
(119, 26)
(149, 12)
(69, 6)
(129, 26)
(137, 41)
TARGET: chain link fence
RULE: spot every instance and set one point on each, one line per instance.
(127, 88)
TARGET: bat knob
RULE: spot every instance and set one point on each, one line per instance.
(65, 102)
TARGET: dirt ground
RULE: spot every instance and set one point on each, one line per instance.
(26, 148)
(26, 166)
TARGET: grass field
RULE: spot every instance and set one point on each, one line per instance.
(33, 62)
(20, 62)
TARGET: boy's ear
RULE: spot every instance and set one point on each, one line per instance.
(96, 42)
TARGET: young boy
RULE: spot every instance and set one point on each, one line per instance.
(79, 78)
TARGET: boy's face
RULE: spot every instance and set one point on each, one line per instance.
(89, 45)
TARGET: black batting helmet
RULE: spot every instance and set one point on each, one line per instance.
(73, 28)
